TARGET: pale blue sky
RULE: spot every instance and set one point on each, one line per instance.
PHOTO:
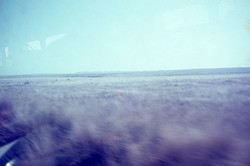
(122, 35)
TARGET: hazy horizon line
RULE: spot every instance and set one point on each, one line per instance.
(193, 71)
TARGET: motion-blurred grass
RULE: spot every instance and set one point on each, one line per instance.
(189, 120)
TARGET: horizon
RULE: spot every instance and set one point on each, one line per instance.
(201, 71)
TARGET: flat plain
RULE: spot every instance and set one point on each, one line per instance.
(126, 120)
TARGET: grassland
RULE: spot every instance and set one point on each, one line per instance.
(201, 120)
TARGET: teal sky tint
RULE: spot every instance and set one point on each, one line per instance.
(70, 36)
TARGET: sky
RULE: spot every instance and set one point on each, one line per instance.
(68, 36)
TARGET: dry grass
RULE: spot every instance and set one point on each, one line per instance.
(170, 121)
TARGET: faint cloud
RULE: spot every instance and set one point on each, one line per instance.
(184, 17)
(52, 39)
(247, 26)
(7, 52)
(34, 45)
